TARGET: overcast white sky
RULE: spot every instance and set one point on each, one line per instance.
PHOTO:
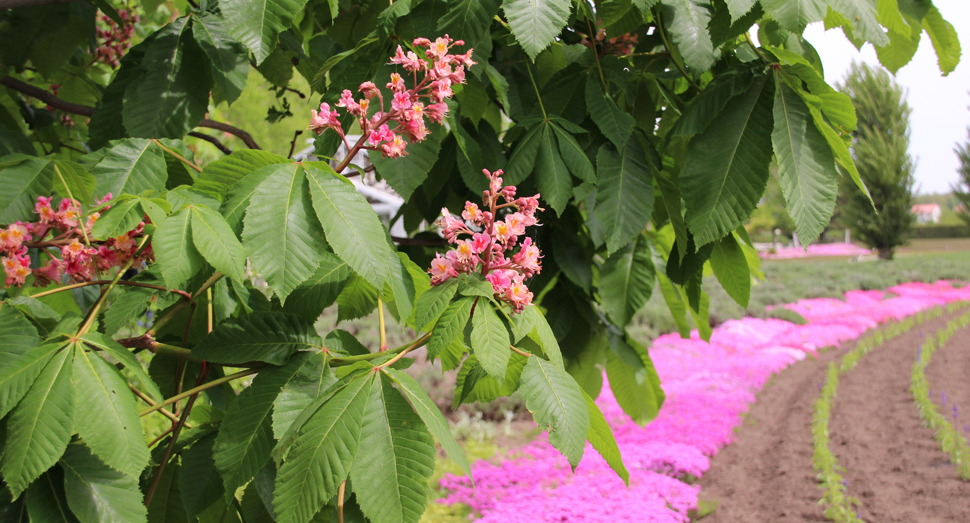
(940, 103)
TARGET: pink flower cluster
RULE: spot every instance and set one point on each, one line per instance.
(114, 40)
(409, 107)
(708, 387)
(488, 240)
(78, 260)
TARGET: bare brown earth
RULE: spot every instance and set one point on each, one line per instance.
(894, 466)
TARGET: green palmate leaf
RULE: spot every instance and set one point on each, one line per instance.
(574, 156)
(17, 335)
(433, 302)
(635, 392)
(601, 437)
(23, 179)
(795, 14)
(175, 251)
(172, 94)
(280, 231)
(624, 196)
(449, 326)
(245, 439)
(219, 176)
(616, 124)
(46, 500)
(806, 166)
(407, 173)
(431, 416)
(901, 49)
(217, 243)
(645, 5)
(944, 39)
(543, 333)
(558, 405)
(306, 386)
(862, 16)
(351, 225)
(731, 268)
(107, 419)
(839, 148)
(474, 384)
(552, 176)
(271, 337)
(676, 305)
(228, 59)
(357, 299)
(573, 260)
(523, 159)
(468, 20)
(490, 340)
(837, 106)
(122, 217)
(98, 494)
(395, 461)
(238, 199)
(72, 181)
(712, 100)
(727, 165)
(116, 351)
(126, 307)
(739, 8)
(322, 453)
(672, 201)
(199, 480)
(321, 290)
(536, 23)
(626, 281)
(40, 427)
(687, 22)
(475, 285)
(258, 24)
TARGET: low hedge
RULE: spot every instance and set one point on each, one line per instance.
(940, 231)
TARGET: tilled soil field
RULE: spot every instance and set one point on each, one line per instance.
(894, 466)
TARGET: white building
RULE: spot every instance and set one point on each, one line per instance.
(927, 212)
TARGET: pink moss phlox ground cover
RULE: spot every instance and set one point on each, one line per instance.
(708, 387)
(819, 249)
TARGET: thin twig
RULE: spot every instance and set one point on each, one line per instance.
(203, 374)
(105, 282)
(417, 343)
(177, 155)
(144, 397)
(340, 501)
(293, 143)
(200, 388)
(211, 139)
(380, 318)
(97, 305)
(519, 351)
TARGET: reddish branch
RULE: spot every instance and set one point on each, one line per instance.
(73, 108)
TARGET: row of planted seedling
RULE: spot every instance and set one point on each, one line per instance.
(948, 436)
(839, 506)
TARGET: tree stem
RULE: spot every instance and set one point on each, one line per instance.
(380, 318)
(198, 389)
(179, 156)
(105, 282)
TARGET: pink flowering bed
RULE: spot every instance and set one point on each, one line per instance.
(708, 387)
(821, 249)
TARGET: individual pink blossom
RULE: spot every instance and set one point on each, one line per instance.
(72, 250)
(16, 268)
(528, 258)
(324, 119)
(394, 148)
(481, 242)
(401, 102)
(416, 130)
(439, 48)
(471, 213)
(436, 112)
(421, 42)
(463, 59)
(369, 90)
(347, 101)
(397, 83)
(415, 112)
(381, 134)
(44, 209)
(53, 272)
(516, 222)
(518, 295)
(442, 269)
(13, 237)
(441, 90)
(68, 214)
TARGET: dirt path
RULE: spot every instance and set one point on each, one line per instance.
(766, 475)
(949, 372)
(895, 467)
